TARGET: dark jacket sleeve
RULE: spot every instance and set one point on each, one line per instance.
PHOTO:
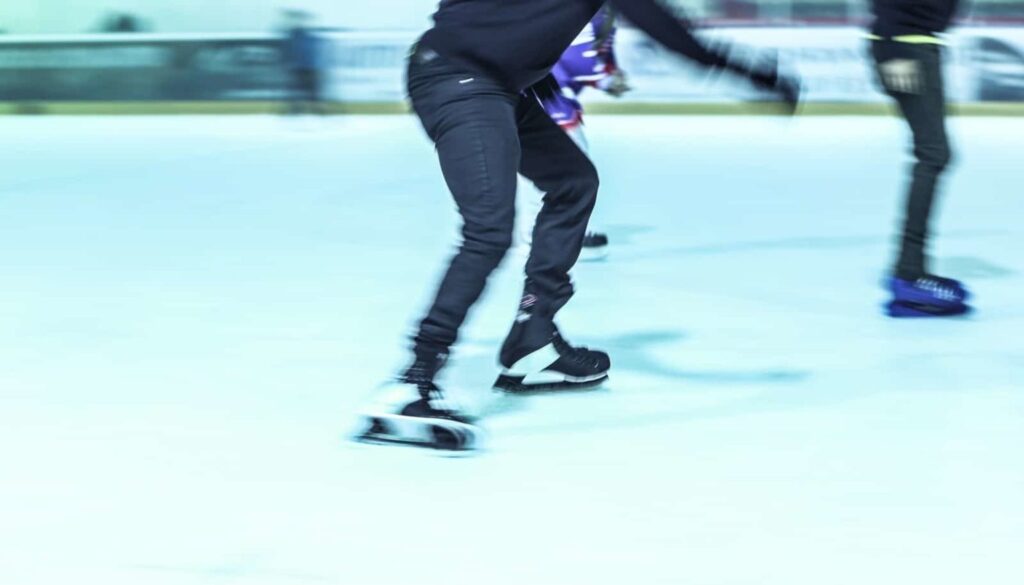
(674, 33)
(912, 17)
(899, 17)
(894, 18)
(669, 30)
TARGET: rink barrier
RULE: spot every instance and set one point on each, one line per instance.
(364, 71)
(141, 67)
(129, 108)
(400, 108)
(982, 64)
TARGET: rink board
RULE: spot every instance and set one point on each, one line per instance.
(242, 108)
(984, 64)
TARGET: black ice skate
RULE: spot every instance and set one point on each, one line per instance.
(537, 358)
(595, 247)
(414, 411)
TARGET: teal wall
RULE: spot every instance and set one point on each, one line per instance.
(76, 16)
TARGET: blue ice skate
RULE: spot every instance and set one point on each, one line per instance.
(927, 296)
(929, 290)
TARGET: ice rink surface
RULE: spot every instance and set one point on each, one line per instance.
(191, 308)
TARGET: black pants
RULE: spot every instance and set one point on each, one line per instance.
(485, 136)
(925, 112)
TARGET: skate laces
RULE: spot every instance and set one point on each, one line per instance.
(942, 288)
(580, 354)
(424, 369)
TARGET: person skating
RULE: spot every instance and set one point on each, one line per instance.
(589, 62)
(908, 55)
(472, 81)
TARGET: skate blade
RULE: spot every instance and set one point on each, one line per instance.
(438, 435)
(905, 310)
(515, 385)
(929, 304)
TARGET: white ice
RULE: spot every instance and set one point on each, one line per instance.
(191, 308)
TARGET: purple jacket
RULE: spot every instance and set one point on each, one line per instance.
(588, 62)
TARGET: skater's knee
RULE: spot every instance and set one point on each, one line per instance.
(948, 157)
(583, 181)
(588, 180)
(934, 157)
(491, 244)
(571, 183)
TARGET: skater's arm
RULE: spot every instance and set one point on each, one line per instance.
(669, 30)
(674, 33)
(615, 82)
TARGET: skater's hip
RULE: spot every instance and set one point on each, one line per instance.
(430, 72)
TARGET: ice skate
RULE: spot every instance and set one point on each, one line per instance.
(927, 296)
(415, 411)
(536, 357)
(929, 290)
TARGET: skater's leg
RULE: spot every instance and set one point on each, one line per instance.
(925, 113)
(595, 243)
(567, 113)
(529, 200)
(915, 291)
(316, 91)
(294, 106)
(307, 78)
(534, 354)
(559, 168)
(472, 121)
(473, 125)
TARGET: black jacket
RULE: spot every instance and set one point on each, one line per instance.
(519, 41)
(895, 18)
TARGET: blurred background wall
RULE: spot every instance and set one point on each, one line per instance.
(241, 51)
(77, 16)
